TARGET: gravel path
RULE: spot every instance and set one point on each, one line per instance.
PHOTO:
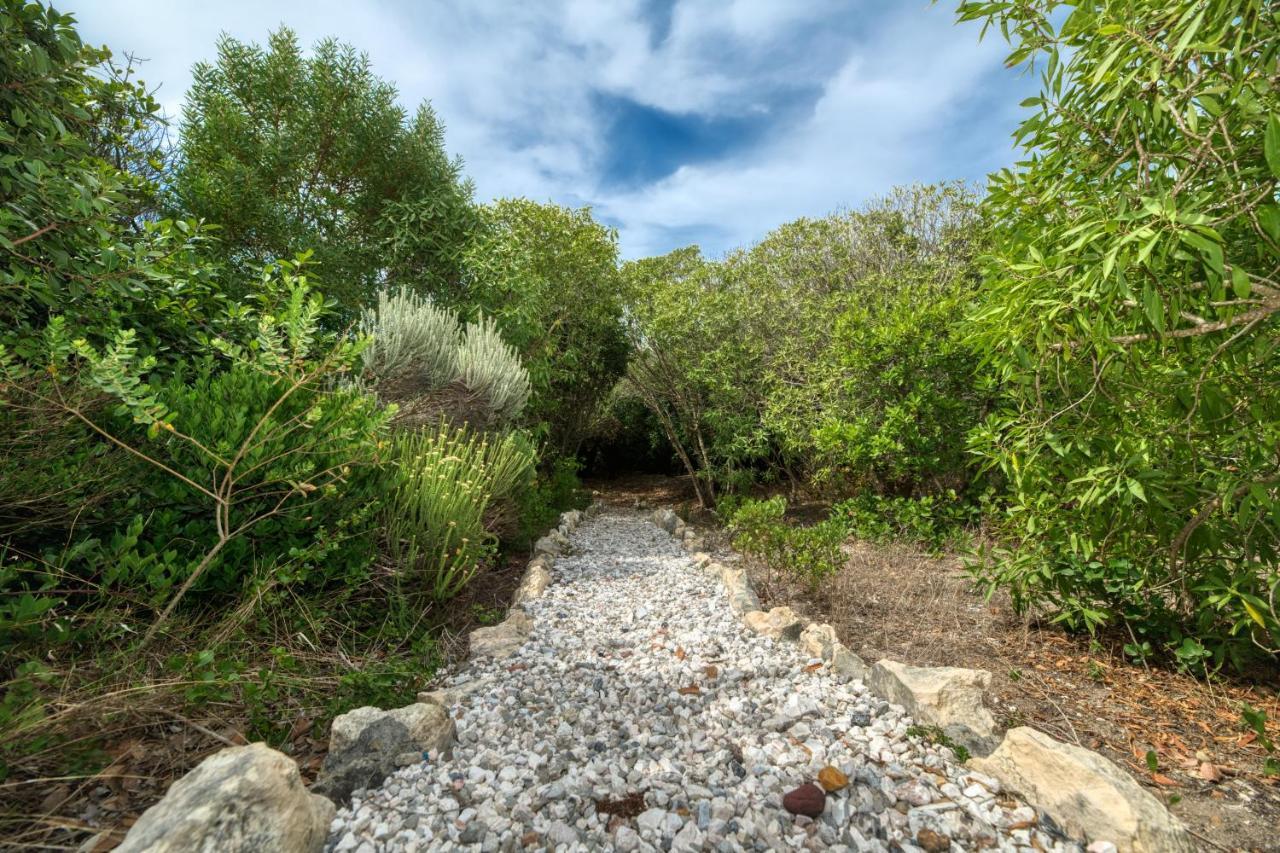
(640, 715)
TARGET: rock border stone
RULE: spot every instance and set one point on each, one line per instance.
(242, 799)
(1102, 805)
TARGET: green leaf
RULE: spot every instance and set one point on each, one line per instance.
(1154, 307)
(1271, 144)
(1269, 219)
(1240, 283)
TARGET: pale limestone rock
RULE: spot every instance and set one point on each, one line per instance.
(1084, 793)
(845, 662)
(780, 623)
(501, 641)
(819, 640)
(244, 798)
(945, 696)
(742, 598)
(553, 544)
(537, 577)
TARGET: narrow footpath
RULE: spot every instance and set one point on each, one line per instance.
(641, 715)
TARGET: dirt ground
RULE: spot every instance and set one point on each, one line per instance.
(893, 601)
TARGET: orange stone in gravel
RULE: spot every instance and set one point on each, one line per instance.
(933, 842)
(832, 779)
(808, 800)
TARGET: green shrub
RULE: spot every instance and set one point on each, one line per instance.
(548, 276)
(1131, 311)
(554, 490)
(810, 552)
(939, 522)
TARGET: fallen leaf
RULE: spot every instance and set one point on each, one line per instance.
(1161, 779)
(691, 690)
(813, 667)
(680, 654)
(1210, 773)
(711, 672)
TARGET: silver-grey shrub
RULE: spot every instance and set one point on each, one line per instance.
(490, 368)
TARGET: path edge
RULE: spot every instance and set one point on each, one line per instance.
(1078, 789)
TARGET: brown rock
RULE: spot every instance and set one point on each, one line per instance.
(831, 779)
(933, 842)
(808, 800)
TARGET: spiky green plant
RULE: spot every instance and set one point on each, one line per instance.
(435, 517)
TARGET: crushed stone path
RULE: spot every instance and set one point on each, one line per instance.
(641, 715)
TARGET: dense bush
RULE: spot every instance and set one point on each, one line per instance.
(1131, 311)
(548, 276)
(810, 552)
(287, 152)
(830, 353)
(421, 358)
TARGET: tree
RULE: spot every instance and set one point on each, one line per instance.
(1132, 311)
(68, 240)
(549, 276)
(287, 152)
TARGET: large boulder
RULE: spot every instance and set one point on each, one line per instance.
(244, 798)
(368, 744)
(501, 640)
(1084, 793)
(780, 623)
(944, 696)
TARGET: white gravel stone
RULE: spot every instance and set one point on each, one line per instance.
(639, 679)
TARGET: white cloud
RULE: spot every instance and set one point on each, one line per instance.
(515, 84)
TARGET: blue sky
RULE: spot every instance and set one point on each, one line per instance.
(677, 121)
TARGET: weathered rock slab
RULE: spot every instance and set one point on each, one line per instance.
(368, 744)
(244, 798)
(537, 577)
(847, 663)
(780, 623)
(742, 598)
(501, 640)
(944, 696)
(1084, 793)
